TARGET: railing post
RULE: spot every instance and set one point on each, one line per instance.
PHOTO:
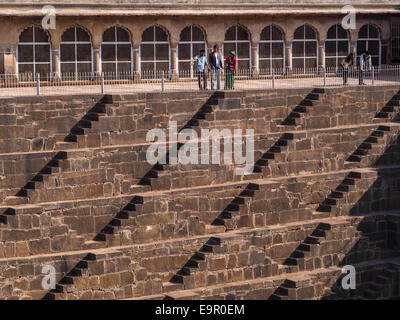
(162, 82)
(102, 82)
(38, 84)
(273, 78)
(324, 74)
(373, 75)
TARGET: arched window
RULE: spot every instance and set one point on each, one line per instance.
(237, 39)
(154, 50)
(271, 50)
(33, 53)
(336, 46)
(116, 50)
(76, 51)
(368, 40)
(305, 48)
(192, 40)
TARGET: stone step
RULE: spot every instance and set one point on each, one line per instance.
(22, 209)
(182, 295)
(169, 286)
(210, 229)
(63, 145)
(15, 200)
(91, 244)
(278, 297)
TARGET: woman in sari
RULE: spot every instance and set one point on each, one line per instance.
(230, 67)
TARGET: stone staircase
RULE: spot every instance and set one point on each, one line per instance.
(295, 118)
(329, 205)
(381, 287)
(309, 248)
(176, 240)
(230, 215)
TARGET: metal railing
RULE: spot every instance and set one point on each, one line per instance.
(148, 81)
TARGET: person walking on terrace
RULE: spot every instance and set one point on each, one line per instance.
(201, 69)
(365, 64)
(230, 67)
(346, 64)
(215, 62)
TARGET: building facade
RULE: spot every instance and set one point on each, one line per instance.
(139, 36)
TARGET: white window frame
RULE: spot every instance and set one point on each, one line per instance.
(304, 51)
(367, 43)
(337, 40)
(236, 47)
(154, 43)
(34, 44)
(395, 35)
(191, 43)
(115, 44)
(270, 42)
(76, 43)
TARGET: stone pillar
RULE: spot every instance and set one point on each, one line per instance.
(385, 51)
(56, 66)
(353, 48)
(255, 68)
(288, 55)
(321, 55)
(10, 59)
(2, 59)
(97, 59)
(136, 60)
(174, 61)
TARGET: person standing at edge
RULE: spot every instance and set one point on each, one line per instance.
(215, 61)
(346, 64)
(201, 63)
(365, 65)
(230, 67)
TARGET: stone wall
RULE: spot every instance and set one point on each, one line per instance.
(325, 193)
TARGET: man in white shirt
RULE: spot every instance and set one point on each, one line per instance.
(365, 65)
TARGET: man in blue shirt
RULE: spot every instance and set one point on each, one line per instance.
(201, 69)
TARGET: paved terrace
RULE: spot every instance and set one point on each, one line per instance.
(185, 85)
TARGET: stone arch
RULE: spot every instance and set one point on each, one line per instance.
(314, 28)
(73, 60)
(118, 25)
(188, 48)
(155, 25)
(271, 51)
(238, 25)
(337, 45)
(155, 55)
(242, 47)
(197, 26)
(305, 51)
(334, 25)
(280, 28)
(377, 27)
(116, 50)
(79, 26)
(21, 29)
(33, 55)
